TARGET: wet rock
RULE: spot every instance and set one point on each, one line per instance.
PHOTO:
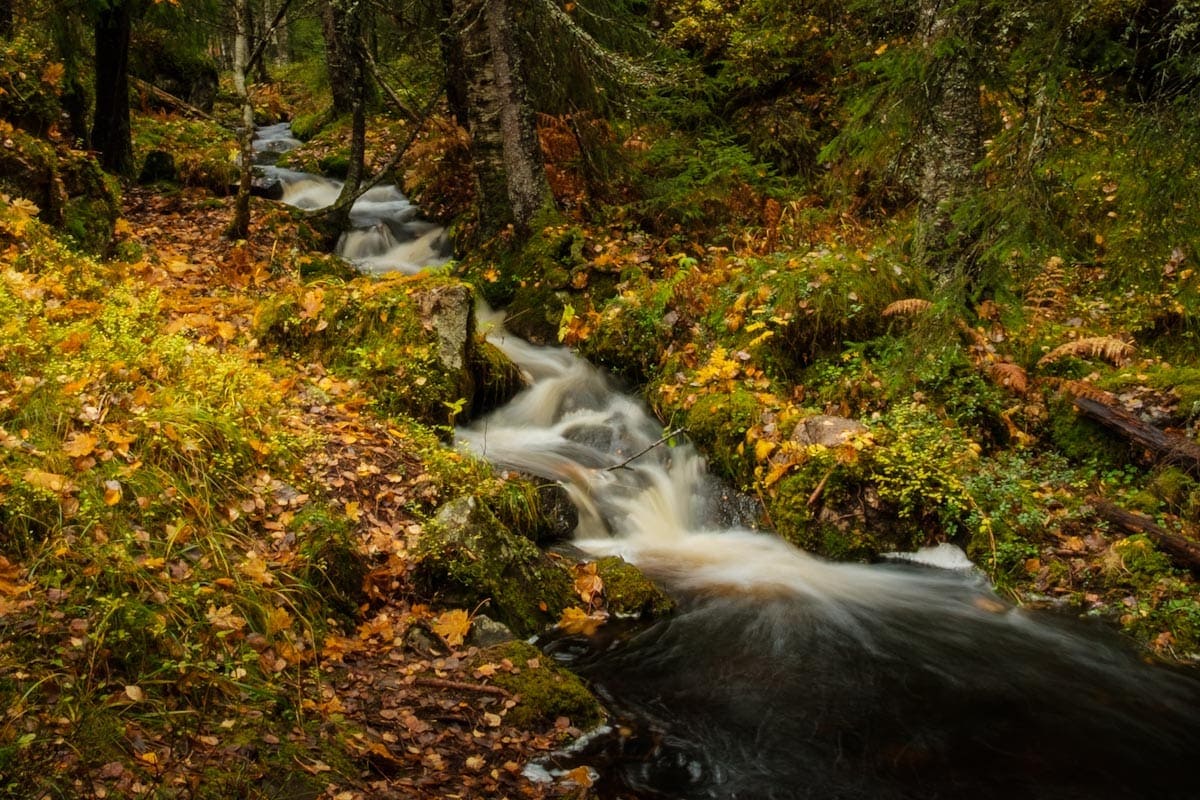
(546, 692)
(487, 632)
(826, 430)
(467, 557)
(266, 187)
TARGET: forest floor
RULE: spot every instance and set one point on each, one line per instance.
(418, 715)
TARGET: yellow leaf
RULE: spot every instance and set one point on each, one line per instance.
(352, 511)
(256, 569)
(452, 626)
(278, 620)
(80, 445)
(49, 481)
(149, 757)
(576, 620)
(881, 49)
(224, 619)
(762, 449)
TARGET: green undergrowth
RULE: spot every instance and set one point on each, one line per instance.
(166, 577)
(204, 152)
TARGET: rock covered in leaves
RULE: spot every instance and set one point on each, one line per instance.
(545, 693)
(467, 557)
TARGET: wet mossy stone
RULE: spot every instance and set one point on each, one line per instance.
(467, 558)
(628, 592)
(543, 690)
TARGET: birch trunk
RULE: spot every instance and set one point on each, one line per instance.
(239, 226)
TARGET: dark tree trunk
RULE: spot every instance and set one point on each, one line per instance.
(111, 133)
(951, 142)
(455, 75)
(69, 33)
(342, 26)
(7, 19)
(506, 154)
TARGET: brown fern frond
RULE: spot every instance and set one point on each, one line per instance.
(1111, 349)
(908, 307)
(1048, 290)
(1009, 376)
(1073, 389)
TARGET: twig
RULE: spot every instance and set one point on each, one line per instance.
(816, 493)
(664, 439)
(442, 683)
(171, 99)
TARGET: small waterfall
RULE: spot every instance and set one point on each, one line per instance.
(786, 676)
(385, 235)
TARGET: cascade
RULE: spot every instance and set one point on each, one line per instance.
(782, 675)
(386, 234)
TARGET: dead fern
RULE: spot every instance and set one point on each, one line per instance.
(1072, 389)
(1048, 290)
(1111, 349)
(1008, 375)
(908, 307)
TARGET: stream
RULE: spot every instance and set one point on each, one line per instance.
(782, 675)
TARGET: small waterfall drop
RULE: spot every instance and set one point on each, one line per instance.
(386, 234)
(786, 676)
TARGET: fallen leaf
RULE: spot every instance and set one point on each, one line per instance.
(135, 693)
(452, 626)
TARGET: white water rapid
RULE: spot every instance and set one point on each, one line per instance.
(786, 676)
(386, 234)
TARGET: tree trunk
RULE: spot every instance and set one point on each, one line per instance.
(509, 172)
(111, 133)
(7, 19)
(454, 74)
(341, 24)
(239, 226)
(951, 141)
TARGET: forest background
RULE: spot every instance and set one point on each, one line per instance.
(963, 234)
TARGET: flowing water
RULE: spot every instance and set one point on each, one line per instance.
(386, 234)
(785, 676)
(782, 675)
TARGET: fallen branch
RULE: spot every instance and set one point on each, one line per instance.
(1168, 448)
(442, 683)
(663, 440)
(1184, 550)
(170, 99)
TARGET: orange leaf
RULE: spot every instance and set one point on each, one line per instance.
(49, 481)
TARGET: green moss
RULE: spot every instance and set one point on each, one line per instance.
(628, 592)
(1135, 560)
(718, 424)
(468, 558)
(1083, 440)
(545, 691)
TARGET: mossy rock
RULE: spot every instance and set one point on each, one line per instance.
(409, 338)
(540, 511)
(718, 423)
(69, 188)
(1082, 439)
(1136, 561)
(467, 557)
(628, 592)
(497, 378)
(545, 691)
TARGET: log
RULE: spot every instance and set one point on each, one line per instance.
(1168, 448)
(1185, 551)
(170, 99)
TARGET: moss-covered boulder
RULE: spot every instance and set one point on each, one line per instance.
(68, 187)
(467, 557)
(628, 592)
(543, 691)
(411, 339)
